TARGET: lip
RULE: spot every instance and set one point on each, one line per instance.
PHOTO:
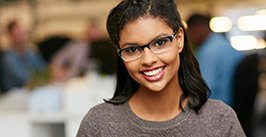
(154, 77)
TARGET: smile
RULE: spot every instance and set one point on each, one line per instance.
(153, 72)
(153, 75)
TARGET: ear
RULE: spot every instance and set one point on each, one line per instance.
(180, 39)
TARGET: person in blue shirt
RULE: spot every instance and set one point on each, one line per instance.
(217, 58)
(19, 61)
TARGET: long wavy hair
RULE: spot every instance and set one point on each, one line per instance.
(191, 82)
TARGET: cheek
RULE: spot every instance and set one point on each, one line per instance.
(172, 61)
(171, 57)
(132, 68)
(175, 60)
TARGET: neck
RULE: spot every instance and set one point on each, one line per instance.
(18, 48)
(157, 106)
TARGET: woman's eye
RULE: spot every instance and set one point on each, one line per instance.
(131, 49)
(161, 41)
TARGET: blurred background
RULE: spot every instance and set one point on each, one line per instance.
(56, 61)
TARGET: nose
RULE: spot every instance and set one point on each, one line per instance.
(148, 58)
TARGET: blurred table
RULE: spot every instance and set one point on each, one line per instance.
(80, 94)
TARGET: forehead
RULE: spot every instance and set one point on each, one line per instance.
(143, 30)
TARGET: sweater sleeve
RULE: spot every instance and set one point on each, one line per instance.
(89, 126)
(230, 125)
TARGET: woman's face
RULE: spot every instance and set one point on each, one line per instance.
(152, 71)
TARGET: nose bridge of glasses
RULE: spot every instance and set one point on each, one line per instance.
(146, 46)
(148, 57)
(147, 51)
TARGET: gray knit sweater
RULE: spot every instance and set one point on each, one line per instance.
(215, 119)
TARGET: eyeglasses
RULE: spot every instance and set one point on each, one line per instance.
(159, 45)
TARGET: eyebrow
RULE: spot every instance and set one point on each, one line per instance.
(129, 44)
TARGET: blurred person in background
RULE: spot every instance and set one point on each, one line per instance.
(217, 58)
(93, 31)
(245, 91)
(20, 60)
(1, 86)
(102, 51)
(66, 59)
(246, 87)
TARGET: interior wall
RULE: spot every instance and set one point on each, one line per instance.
(47, 17)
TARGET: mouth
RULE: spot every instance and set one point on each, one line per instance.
(153, 74)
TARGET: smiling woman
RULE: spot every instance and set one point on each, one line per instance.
(164, 60)
(159, 91)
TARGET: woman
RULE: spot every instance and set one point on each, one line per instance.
(159, 91)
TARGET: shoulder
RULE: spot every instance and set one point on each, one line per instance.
(217, 112)
(218, 39)
(217, 42)
(103, 112)
(217, 119)
(216, 104)
(222, 116)
(97, 116)
(31, 51)
(217, 107)
(103, 108)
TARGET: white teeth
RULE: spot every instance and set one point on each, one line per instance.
(153, 72)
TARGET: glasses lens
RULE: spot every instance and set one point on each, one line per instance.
(161, 45)
(131, 53)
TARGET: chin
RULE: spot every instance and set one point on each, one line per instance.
(155, 88)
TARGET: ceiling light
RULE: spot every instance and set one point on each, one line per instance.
(220, 24)
(252, 23)
(244, 42)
